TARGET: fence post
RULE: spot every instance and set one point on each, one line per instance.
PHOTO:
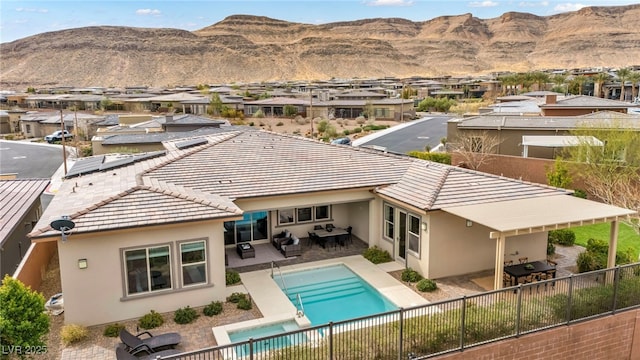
(462, 316)
(569, 298)
(518, 309)
(616, 283)
(250, 348)
(400, 333)
(330, 340)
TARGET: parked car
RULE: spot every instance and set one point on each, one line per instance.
(57, 136)
(342, 141)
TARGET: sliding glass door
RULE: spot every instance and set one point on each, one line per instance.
(253, 226)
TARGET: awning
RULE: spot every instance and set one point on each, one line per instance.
(559, 141)
(532, 215)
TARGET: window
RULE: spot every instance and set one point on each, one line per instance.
(286, 216)
(193, 259)
(148, 269)
(414, 233)
(28, 129)
(304, 214)
(322, 212)
(388, 221)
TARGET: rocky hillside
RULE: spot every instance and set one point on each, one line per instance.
(250, 48)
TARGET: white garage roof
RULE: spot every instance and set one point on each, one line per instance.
(559, 141)
(538, 214)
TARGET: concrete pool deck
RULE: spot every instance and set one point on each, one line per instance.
(276, 307)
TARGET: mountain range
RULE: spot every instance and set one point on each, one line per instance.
(244, 48)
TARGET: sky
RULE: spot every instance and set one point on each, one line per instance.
(23, 18)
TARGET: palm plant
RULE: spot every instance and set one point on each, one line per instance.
(623, 74)
(559, 79)
(541, 80)
(600, 79)
(634, 77)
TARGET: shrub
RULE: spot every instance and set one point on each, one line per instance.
(232, 277)
(322, 126)
(251, 123)
(245, 304)
(357, 130)
(214, 308)
(280, 123)
(410, 275)
(72, 333)
(151, 320)
(564, 237)
(346, 132)
(426, 285)
(377, 255)
(113, 330)
(360, 120)
(236, 297)
(551, 249)
(587, 261)
(185, 315)
(580, 193)
(23, 321)
(258, 114)
(442, 158)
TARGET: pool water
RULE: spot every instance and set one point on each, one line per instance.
(332, 293)
(264, 331)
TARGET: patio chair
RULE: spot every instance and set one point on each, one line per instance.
(523, 260)
(508, 263)
(122, 354)
(134, 344)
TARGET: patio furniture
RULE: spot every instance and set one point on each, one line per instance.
(245, 251)
(328, 237)
(135, 344)
(508, 263)
(279, 238)
(122, 354)
(519, 271)
(523, 260)
(293, 249)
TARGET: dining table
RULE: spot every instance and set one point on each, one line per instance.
(523, 270)
(327, 236)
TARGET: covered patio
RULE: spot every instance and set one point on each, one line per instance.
(536, 215)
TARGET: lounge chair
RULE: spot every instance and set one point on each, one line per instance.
(134, 344)
(122, 354)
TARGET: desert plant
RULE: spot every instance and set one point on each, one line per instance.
(426, 285)
(236, 297)
(112, 330)
(151, 320)
(23, 321)
(245, 304)
(410, 275)
(280, 123)
(72, 333)
(185, 315)
(214, 308)
(258, 114)
(377, 255)
(232, 277)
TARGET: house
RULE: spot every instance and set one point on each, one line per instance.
(40, 124)
(20, 209)
(581, 105)
(149, 231)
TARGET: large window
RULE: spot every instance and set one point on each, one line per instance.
(388, 222)
(193, 259)
(304, 214)
(148, 269)
(253, 226)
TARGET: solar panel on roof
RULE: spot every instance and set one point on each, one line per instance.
(85, 166)
(189, 143)
(116, 163)
(150, 155)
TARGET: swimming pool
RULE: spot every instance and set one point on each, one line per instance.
(264, 331)
(332, 293)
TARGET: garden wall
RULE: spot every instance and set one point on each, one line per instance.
(33, 266)
(609, 337)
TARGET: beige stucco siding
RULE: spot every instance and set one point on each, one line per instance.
(456, 249)
(96, 295)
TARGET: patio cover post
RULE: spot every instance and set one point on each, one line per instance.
(613, 249)
(500, 246)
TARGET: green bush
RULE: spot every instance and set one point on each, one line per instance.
(23, 320)
(151, 320)
(112, 330)
(410, 275)
(580, 193)
(214, 308)
(346, 132)
(587, 261)
(72, 333)
(245, 304)
(185, 315)
(232, 277)
(236, 297)
(596, 256)
(442, 158)
(551, 248)
(377, 255)
(426, 285)
(357, 130)
(564, 237)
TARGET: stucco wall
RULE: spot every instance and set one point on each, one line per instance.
(34, 264)
(101, 284)
(456, 249)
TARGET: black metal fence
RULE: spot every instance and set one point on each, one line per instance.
(452, 325)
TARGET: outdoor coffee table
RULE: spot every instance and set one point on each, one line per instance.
(246, 251)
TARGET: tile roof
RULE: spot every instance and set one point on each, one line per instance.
(17, 198)
(201, 182)
(582, 101)
(495, 121)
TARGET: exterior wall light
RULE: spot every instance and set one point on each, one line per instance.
(469, 223)
(82, 263)
(424, 226)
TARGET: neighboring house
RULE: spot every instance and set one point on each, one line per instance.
(20, 210)
(510, 130)
(42, 124)
(181, 123)
(151, 229)
(581, 105)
